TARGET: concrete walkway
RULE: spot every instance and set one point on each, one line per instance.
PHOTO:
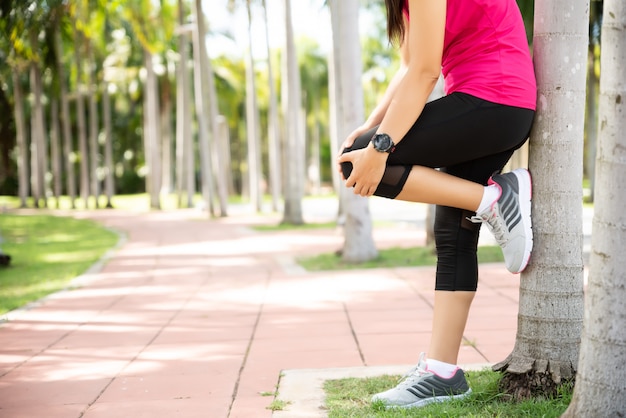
(198, 318)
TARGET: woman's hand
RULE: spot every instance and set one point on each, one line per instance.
(353, 136)
(368, 167)
(350, 140)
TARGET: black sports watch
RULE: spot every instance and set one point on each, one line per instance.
(383, 143)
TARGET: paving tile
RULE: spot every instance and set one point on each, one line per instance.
(163, 387)
(42, 410)
(16, 392)
(176, 408)
(251, 407)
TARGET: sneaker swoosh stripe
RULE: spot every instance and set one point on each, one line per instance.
(514, 221)
(510, 210)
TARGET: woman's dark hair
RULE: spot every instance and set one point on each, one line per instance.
(395, 21)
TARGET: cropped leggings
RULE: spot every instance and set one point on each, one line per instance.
(466, 137)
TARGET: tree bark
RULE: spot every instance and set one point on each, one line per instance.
(600, 389)
(551, 288)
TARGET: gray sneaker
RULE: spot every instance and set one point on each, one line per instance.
(509, 218)
(420, 387)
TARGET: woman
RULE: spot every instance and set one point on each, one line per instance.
(480, 48)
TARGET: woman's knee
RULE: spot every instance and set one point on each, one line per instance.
(456, 243)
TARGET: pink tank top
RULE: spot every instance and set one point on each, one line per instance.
(486, 53)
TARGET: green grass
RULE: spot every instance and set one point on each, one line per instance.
(47, 252)
(290, 227)
(393, 257)
(350, 398)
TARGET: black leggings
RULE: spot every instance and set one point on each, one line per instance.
(469, 138)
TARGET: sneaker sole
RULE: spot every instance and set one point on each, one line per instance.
(524, 181)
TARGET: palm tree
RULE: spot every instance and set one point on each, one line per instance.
(153, 24)
(202, 111)
(347, 93)
(55, 150)
(291, 104)
(39, 147)
(94, 128)
(600, 389)
(551, 288)
(272, 124)
(109, 184)
(184, 144)
(80, 111)
(252, 123)
(65, 118)
(20, 130)
(218, 142)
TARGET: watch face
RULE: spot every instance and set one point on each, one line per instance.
(382, 142)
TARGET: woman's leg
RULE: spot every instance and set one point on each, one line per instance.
(457, 265)
(450, 314)
(427, 185)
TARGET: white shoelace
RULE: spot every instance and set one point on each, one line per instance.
(494, 223)
(416, 372)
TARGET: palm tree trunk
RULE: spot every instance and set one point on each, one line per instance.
(252, 124)
(94, 146)
(39, 153)
(226, 161)
(65, 116)
(206, 168)
(166, 140)
(109, 179)
(291, 101)
(80, 118)
(600, 389)
(358, 239)
(551, 288)
(272, 126)
(152, 132)
(55, 151)
(184, 142)
(22, 146)
(215, 144)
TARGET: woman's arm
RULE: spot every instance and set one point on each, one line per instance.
(424, 39)
(380, 110)
(425, 48)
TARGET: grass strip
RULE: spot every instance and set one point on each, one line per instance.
(393, 257)
(47, 252)
(346, 398)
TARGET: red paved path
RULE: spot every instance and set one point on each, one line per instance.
(195, 318)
